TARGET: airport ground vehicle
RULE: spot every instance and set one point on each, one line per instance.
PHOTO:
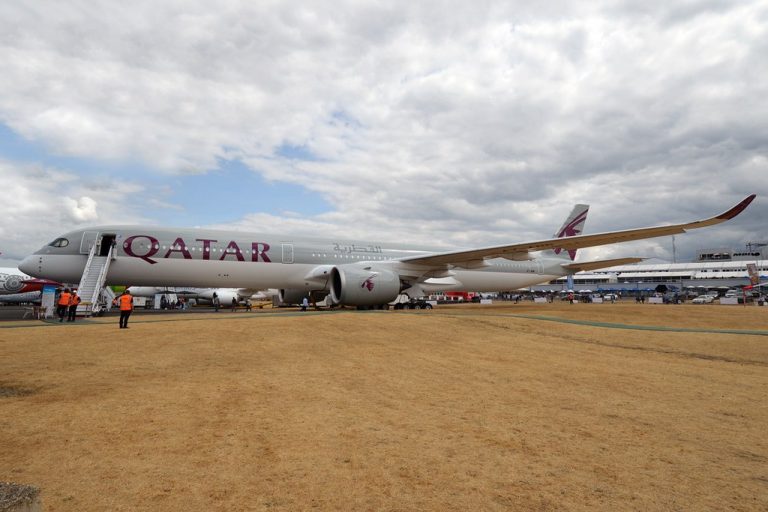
(703, 299)
(413, 304)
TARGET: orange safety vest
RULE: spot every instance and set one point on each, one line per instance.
(74, 299)
(64, 299)
(126, 302)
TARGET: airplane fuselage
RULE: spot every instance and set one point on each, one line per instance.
(207, 258)
(355, 273)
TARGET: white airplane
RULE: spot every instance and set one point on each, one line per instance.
(225, 295)
(21, 298)
(13, 282)
(353, 273)
(16, 288)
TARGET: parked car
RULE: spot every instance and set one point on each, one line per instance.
(703, 299)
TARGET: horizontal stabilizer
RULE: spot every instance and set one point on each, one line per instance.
(580, 266)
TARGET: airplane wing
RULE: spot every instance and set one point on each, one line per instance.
(474, 257)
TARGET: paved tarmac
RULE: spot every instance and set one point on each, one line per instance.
(14, 313)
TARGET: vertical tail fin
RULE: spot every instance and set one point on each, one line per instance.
(573, 225)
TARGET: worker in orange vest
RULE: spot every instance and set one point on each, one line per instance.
(63, 304)
(74, 300)
(126, 306)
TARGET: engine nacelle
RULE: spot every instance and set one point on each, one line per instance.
(291, 295)
(354, 286)
(296, 295)
(11, 283)
(225, 296)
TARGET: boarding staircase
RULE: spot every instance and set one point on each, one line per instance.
(91, 288)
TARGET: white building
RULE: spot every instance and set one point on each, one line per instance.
(715, 269)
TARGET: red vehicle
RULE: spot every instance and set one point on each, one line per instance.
(460, 296)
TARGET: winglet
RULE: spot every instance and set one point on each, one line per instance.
(736, 209)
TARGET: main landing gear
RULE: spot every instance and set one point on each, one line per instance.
(414, 304)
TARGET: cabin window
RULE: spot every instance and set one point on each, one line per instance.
(59, 242)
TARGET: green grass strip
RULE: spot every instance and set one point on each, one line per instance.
(187, 317)
(608, 325)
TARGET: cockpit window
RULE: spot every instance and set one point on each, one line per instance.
(59, 242)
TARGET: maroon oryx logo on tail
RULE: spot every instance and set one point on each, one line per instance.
(573, 228)
(368, 283)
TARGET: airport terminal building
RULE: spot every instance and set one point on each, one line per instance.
(713, 269)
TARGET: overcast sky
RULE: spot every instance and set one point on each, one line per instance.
(444, 123)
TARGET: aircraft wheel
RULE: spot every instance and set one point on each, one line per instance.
(428, 306)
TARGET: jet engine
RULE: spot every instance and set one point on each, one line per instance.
(355, 286)
(296, 295)
(225, 295)
(291, 295)
(11, 283)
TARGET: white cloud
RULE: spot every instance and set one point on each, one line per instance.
(82, 209)
(39, 203)
(429, 122)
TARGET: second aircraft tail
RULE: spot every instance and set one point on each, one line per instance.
(573, 225)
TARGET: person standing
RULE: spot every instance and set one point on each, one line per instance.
(74, 301)
(304, 304)
(63, 304)
(216, 302)
(126, 307)
(234, 304)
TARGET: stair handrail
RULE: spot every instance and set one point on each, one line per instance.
(96, 304)
(87, 267)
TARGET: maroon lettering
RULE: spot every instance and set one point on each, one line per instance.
(179, 246)
(206, 247)
(154, 246)
(259, 249)
(234, 250)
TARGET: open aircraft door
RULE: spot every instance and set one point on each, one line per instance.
(89, 238)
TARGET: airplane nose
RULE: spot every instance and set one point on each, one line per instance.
(31, 265)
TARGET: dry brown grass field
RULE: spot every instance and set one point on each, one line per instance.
(460, 408)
